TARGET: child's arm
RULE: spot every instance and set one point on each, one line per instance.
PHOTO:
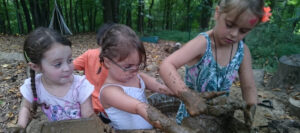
(152, 84)
(24, 114)
(86, 108)
(79, 61)
(249, 91)
(122, 101)
(189, 53)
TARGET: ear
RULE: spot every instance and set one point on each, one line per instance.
(106, 63)
(217, 13)
(34, 66)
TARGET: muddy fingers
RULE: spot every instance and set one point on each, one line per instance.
(194, 103)
(161, 121)
(249, 113)
(211, 95)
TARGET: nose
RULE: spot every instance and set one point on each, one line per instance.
(67, 67)
(234, 32)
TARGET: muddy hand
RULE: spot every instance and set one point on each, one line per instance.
(107, 128)
(196, 102)
(224, 105)
(161, 121)
(249, 113)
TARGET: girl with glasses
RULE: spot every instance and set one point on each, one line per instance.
(123, 93)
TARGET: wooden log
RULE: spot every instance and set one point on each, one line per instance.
(288, 72)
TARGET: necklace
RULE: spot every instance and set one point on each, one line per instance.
(217, 70)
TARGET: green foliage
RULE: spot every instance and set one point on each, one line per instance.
(174, 35)
(269, 42)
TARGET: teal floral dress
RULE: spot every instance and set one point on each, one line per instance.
(202, 76)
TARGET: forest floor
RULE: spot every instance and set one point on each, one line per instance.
(13, 74)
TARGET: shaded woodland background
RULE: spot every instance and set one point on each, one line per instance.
(177, 20)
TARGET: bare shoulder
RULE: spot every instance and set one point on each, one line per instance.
(111, 89)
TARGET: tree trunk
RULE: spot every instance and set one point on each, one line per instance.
(288, 72)
(2, 23)
(164, 14)
(140, 19)
(82, 16)
(128, 15)
(2, 27)
(7, 16)
(41, 10)
(90, 17)
(45, 12)
(188, 15)
(107, 11)
(168, 19)
(94, 17)
(27, 15)
(19, 18)
(150, 23)
(76, 17)
(71, 25)
(66, 12)
(115, 10)
(33, 13)
(205, 13)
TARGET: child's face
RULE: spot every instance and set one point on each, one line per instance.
(230, 29)
(56, 65)
(125, 70)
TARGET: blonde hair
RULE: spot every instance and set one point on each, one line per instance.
(240, 6)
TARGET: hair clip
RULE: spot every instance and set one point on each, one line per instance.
(26, 57)
(35, 99)
(267, 14)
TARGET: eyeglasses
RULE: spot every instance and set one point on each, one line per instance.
(131, 69)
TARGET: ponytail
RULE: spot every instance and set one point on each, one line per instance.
(33, 87)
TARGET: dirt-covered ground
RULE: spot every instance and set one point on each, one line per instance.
(13, 74)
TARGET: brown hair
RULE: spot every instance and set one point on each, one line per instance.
(36, 44)
(119, 41)
(102, 30)
(255, 6)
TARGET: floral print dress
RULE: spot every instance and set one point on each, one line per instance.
(202, 76)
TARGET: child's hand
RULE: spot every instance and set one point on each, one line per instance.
(106, 127)
(249, 113)
(17, 129)
(159, 120)
(196, 102)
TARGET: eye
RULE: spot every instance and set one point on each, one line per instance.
(127, 66)
(243, 31)
(57, 65)
(229, 25)
(70, 60)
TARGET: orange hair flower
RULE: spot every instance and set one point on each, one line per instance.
(267, 14)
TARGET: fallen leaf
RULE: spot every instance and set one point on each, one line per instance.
(10, 115)
(5, 65)
(14, 121)
(7, 78)
(286, 117)
(276, 89)
(9, 125)
(267, 115)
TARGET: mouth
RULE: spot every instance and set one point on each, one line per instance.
(67, 76)
(229, 41)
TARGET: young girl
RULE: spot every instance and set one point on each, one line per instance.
(123, 93)
(61, 94)
(214, 58)
(89, 63)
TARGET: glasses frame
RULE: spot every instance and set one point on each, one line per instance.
(140, 66)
